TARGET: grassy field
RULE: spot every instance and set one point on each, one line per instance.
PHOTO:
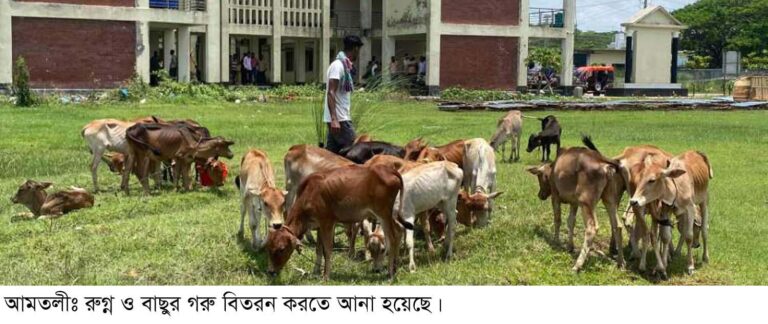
(189, 239)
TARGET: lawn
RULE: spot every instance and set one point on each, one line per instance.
(175, 238)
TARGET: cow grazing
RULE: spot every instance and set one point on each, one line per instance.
(580, 177)
(347, 195)
(480, 176)
(509, 129)
(32, 195)
(375, 245)
(164, 142)
(681, 186)
(258, 194)
(550, 134)
(364, 151)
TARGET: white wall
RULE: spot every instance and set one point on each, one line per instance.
(652, 55)
(403, 17)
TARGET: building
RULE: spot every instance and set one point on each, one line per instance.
(72, 44)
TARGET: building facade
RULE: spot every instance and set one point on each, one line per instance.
(86, 44)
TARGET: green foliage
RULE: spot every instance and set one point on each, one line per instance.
(592, 40)
(756, 61)
(24, 95)
(715, 26)
(471, 95)
(698, 62)
(546, 57)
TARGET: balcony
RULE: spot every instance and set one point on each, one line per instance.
(183, 5)
(546, 17)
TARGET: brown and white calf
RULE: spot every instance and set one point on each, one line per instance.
(581, 177)
(258, 194)
(480, 176)
(346, 195)
(32, 195)
(509, 129)
(681, 186)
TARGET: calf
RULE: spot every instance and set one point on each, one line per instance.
(550, 134)
(480, 176)
(256, 183)
(681, 186)
(375, 245)
(580, 177)
(453, 152)
(163, 142)
(347, 195)
(32, 194)
(509, 129)
(364, 151)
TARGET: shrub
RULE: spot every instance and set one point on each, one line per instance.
(24, 96)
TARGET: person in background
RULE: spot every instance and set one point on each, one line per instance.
(412, 67)
(393, 67)
(262, 72)
(255, 63)
(193, 72)
(247, 68)
(154, 67)
(422, 68)
(338, 93)
(234, 74)
(174, 65)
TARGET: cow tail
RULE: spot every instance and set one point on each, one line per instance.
(587, 140)
(400, 219)
(706, 160)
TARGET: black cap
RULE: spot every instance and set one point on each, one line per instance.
(352, 41)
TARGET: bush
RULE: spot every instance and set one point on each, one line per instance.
(24, 96)
(469, 95)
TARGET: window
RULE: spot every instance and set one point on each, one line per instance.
(309, 60)
(289, 60)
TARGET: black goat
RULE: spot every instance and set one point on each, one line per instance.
(364, 151)
(550, 134)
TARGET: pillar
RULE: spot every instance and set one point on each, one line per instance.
(300, 60)
(224, 51)
(277, 41)
(183, 53)
(216, 65)
(433, 48)
(365, 25)
(673, 65)
(6, 44)
(325, 41)
(522, 54)
(169, 43)
(143, 52)
(387, 52)
(569, 6)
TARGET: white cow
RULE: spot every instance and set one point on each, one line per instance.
(480, 176)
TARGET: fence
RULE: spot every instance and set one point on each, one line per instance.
(546, 17)
(711, 81)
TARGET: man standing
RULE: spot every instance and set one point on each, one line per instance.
(247, 68)
(174, 67)
(339, 87)
(154, 66)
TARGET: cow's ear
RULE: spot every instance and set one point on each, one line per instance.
(674, 173)
(533, 170)
(44, 185)
(495, 194)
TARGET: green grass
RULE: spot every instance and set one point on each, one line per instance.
(188, 239)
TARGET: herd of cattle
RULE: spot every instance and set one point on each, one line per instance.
(382, 190)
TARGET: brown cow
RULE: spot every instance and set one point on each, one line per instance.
(414, 148)
(347, 195)
(681, 186)
(399, 164)
(164, 142)
(580, 177)
(362, 138)
(256, 183)
(32, 194)
(453, 152)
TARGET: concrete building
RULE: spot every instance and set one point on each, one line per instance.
(100, 43)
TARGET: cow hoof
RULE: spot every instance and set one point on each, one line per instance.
(690, 271)
(705, 259)
(412, 268)
(575, 269)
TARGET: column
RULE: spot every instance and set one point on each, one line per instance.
(169, 44)
(365, 25)
(433, 48)
(569, 7)
(277, 41)
(142, 4)
(6, 43)
(142, 50)
(387, 52)
(673, 65)
(183, 54)
(224, 49)
(522, 54)
(325, 41)
(300, 59)
(215, 65)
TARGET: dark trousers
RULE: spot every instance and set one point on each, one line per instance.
(344, 138)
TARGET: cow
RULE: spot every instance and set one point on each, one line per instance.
(550, 134)
(364, 151)
(480, 176)
(32, 195)
(375, 244)
(258, 194)
(681, 186)
(580, 177)
(362, 138)
(508, 129)
(107, 135)
(453, 152)
(164, 142)
(414, 148)
(347, 195)
(394, 162)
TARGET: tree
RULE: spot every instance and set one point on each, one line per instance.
(592, 39)
(698, 62)
(756, 61)
(715, 26)
(549, 60)
(24, 96)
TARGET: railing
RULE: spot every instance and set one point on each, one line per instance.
(348, 19)
(547, 17)
(302, 13)
(250, 12)
(184, 5)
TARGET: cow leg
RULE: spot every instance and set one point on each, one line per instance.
(94, 169)
(409, 245)
(155, 166)
(590, 229)
(129, 161)
(659, 247)
(187, 183)
(245, 204)
(681, 230)
(557, 218)
(318, 255)
(643, 238)
(255, 221)
(393, 234)
(517, 148)
(449, 210)
(144, 174)
(175, 178)
(325, 237)
(704, 230)
(352, 230)
(613, 216)
(571, 225)
(689, 223)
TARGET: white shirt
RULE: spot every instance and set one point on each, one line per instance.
(247, 63)
(423, 67)
(336, 71)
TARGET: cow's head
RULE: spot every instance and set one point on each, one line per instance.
(216, 146)
(478, 201)
(31, 193)
(115, 161)
(542, 173)
(533, 142)
(374, 243)
(281, 243)
(414, 148)
(655, 182)
(273, 201)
